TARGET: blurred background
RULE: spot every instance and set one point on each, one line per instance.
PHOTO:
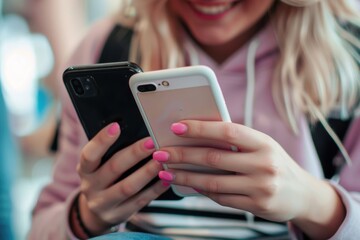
(36, 39)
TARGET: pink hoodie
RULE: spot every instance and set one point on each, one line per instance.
(249, 101)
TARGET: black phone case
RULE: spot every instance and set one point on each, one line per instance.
(107, 98)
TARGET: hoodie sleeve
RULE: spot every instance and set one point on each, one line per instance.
(349, 185)
(51, 213)
(349, 229)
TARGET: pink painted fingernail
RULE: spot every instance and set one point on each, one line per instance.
(113, 129)
(165, 183)
(149, 144)
(161, 156)
(166, 176)
(178, 128)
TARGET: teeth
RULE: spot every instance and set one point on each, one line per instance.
(212, 10)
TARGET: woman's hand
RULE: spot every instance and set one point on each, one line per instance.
(105, 202)
(264, 179)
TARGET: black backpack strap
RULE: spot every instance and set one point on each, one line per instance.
(325, 145)
(117, 45)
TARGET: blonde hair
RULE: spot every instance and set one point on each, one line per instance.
(156, 37)
(317, 69)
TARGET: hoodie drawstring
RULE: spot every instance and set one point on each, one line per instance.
(250, 78)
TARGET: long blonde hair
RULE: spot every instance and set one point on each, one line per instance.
(318, 65)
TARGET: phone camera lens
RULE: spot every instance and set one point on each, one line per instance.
(147, 88)
(77, 86)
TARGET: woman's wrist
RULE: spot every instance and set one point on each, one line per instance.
(77, 226)
(325, 211)
(83, 222)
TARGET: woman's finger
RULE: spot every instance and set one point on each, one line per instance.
(223, 184)
(140, 200)
(133, 184)
(246, 139)
(122, 161)
(114, 212)
(94, 150)
(210, 157)
(243, 202)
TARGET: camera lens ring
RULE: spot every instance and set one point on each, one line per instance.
(77, 86)
(146, 87)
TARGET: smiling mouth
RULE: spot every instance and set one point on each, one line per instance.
(216, 8)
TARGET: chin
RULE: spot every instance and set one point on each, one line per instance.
(212, 39)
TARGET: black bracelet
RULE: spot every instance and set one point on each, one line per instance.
(78, 218)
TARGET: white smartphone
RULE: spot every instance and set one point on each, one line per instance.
(168, 96)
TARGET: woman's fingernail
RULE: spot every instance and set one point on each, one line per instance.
(178, 128)
(165, 183)
(161, 156)
(166, 176)
(149, 144)
(113, 129)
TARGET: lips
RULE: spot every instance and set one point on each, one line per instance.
(212, 8)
